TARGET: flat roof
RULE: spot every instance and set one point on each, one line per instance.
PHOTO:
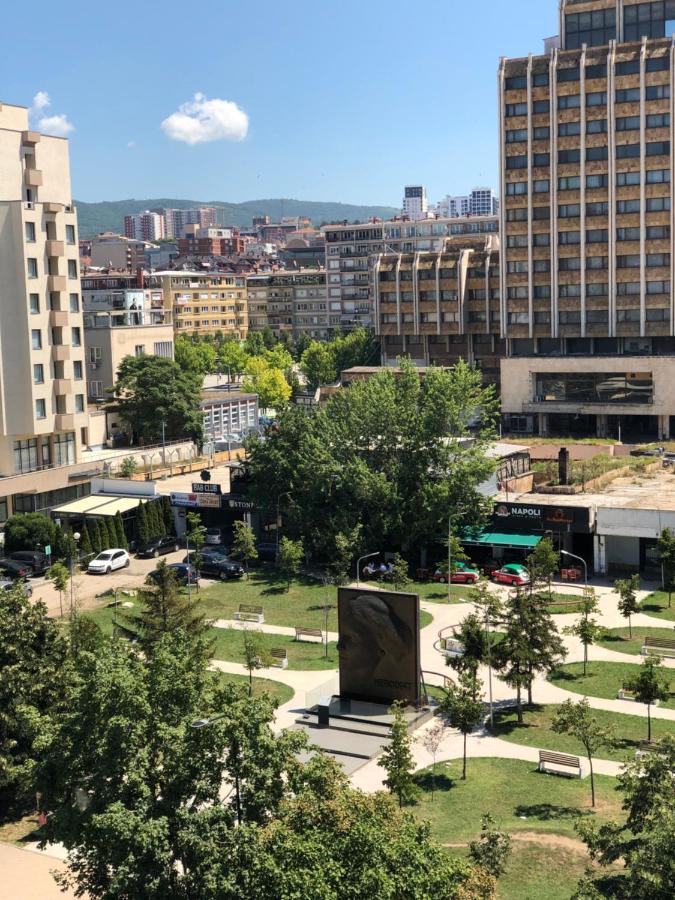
(655, 490)
(226, 396)
(99, 505)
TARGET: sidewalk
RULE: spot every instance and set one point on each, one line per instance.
(25, 875)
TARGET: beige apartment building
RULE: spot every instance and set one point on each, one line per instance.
(587, 174)
(204, 303)
(442, 306)
(43, 415)
(293, 302)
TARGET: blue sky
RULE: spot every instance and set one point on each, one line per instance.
(343, 101)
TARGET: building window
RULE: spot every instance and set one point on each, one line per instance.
(94, 354)
(36, 339)
(38, 373)
(74, 303)
(569, 101)
(70, 234)
(139, 350)
(95, 388)
(25, 456)
(79, 403)
(76, 337)
(34, 303)
(30, 232)
(164, 348)
(596, 126)
(72, 268)
(77, 370)
(64, 449)
(32, 267)
(569, 129)
(40, 409)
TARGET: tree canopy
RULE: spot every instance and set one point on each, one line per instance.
(393, 454)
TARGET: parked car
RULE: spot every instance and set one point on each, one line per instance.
(267, 551)
(463, 574)
(220, 567)
(8, 585)
(167, 544)
(38, 561)
(512, 574)
(108, 561)
(183, 572)
(13, 568)
(207, 552)
(213, 536)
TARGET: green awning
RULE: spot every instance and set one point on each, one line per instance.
(497, 539)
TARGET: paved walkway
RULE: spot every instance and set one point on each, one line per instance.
(27, 876)
(266, 629)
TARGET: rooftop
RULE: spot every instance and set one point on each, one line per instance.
(226, 396)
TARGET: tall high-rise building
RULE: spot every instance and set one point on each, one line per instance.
(43, 414)
(587, 175)
(480, 202)
(176, 220)
(415, 203)
(145, 226)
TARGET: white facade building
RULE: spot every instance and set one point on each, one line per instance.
(415, 202)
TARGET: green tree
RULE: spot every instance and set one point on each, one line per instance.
(244, 546)
(155, 515)
(587, 629)
(650, 684)
(153, 389)
(96, 539)
(196, 535)
(232, 358)
(637, 852)
(279, 358)
(544, 563)
(59, 575)
(254, 344)
(164, 610)
(397, 759)
(317, 364)
(492, 850)
(86, 546)
(463, 706)
(577, 720)
(302, 342)
(268, 383)
(431, 739)
(346, 548)
(290, 558)
(472, 636)
(398, 575)
(28, 531)
(120, 534)
(255, 654)
(627, 589)
(128, 466)
(195, 358)
(141, 529)
(546, 648)
(666, 549)
(512, 654)
(32, 677)
(269, 338)
(381, 439)
(109, 524)
(167, 515)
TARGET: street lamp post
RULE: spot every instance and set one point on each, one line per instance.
(76, 538)
(581, 560)
(358, 564)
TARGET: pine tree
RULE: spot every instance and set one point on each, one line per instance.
(120, 534)
(513, 653)
(141, 531)
(156, 517)
(86, 547)
(397, 759)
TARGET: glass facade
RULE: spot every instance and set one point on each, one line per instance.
(652, 20)
(596, 29)
(595, 387)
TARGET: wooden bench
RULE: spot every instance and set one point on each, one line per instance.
(658, 647)
(250, 614)
(302, 634)
(558, 763)
(279, 658)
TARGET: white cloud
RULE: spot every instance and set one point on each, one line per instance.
(201, 120)
(131, 144)
(57, 125)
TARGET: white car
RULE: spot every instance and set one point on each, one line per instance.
(108, 561)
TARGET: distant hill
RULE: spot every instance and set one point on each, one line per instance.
(109, 215)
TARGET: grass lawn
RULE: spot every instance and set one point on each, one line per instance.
(619, 639)
(301, 654)
(603, 679)
(656, 605)
(278, 691)
(561, 604)
(547, 859)
(432, 592)
(537, 732)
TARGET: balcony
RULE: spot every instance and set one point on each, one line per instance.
(58, 318)
(62, 386)
(56, 283)
(54, 248)
(60, 352)
(53, 208)
(32, 178)
(30, 138)
(64, 422)
(129, 318)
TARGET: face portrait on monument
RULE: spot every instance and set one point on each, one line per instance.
(378, 645)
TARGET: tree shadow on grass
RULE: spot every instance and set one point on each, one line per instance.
(613, 639)
(505, 725)
(546, 812)
(424, 782)
(274, 589)
(564, 675)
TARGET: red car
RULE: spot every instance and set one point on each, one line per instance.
(463, 574)
(512, 574)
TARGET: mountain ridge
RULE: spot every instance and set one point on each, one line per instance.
(108, 215)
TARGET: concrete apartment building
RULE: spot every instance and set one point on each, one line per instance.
(587, 289)
(43, 416)
(121, 318)
(145, 226)
(480, 202)
(210, 241)
(415, 202)
(115, 251)
(442, 306)
(176, 221)
(294, 302)
(350, 250)
(204, 303)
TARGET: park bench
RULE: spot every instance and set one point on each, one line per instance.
(560, 764)
(303, 634)
(626, 694)
(279, 658)
(250, 614)
(658, 647)
(451, 648)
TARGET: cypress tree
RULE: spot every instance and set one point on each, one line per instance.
(95, 538)
(141, 526)
(112, 532)
(120, 534)
(86, 548)
(102, 534)
(158, 514)
(167, 513)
